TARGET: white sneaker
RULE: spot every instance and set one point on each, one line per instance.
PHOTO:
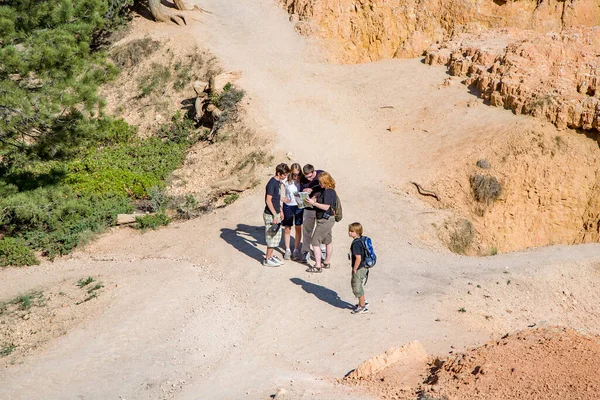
(270, 263)
(277, 260)
(287, 255)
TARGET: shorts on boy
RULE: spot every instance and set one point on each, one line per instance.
(292, 215)
(272, 238)
(358, 282)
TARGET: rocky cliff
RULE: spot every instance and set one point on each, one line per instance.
(555, 76)
(368, 30)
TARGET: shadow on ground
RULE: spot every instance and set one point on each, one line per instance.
(247, 239)
(322, 293)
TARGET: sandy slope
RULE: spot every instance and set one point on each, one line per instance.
(193, 314)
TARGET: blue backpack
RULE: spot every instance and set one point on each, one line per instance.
(370, 257)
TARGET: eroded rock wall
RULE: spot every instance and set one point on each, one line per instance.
(368, 30)
(555, 76)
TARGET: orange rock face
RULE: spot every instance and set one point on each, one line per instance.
(368, 30)
(553, 76)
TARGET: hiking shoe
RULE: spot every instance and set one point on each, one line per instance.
(296, 255)
(304, 258)
(277, 260)
(357, 305)
(360, 310)
(287, 255)
(270, 262)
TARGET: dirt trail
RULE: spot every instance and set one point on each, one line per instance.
(191, 313)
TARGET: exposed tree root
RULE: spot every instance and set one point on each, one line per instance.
(163, 14)
(425, 192)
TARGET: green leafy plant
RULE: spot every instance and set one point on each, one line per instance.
(230, 199)
(152, 221)
(15, 251)
(7, 349)
(84, 282)
(158, 199)
(26, 301)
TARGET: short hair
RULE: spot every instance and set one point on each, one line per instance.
(308, 169)
(326, 180)
(282, 169)
(355, 227)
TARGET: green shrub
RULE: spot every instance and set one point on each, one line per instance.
(230, 199)
(55, 219)
(14, 251)
(7, 349)
(152, 221)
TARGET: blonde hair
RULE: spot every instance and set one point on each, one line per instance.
(326, 180)
(356, 227)
(295, 166)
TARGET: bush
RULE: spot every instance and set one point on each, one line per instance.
(152, 221)
(230, 199)
(55, 219)
(14, 251)
(461, 236)
(486, 188)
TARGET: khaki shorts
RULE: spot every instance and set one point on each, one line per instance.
(322, 234)
(272, 238)
(358, 282)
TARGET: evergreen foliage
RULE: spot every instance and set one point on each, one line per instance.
(66, 169)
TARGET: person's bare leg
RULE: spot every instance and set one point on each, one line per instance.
(361, 301)
(317, 251)
(298, 238)
(269, 252)
(287, 233)
(328, 252)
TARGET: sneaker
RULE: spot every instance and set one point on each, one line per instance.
(296, 255)
(270, 263)
(360, 310)
(287, 255)
(357, 305)
(277, 260)
(304, 258)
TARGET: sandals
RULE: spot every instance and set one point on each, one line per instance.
(314, 270)
(326, 266)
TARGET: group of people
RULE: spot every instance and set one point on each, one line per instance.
(313, 217)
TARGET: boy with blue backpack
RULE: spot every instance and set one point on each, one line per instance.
(362, 258)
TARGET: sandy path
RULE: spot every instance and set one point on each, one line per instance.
(194, 315)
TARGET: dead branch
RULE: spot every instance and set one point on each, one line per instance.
(425, 192)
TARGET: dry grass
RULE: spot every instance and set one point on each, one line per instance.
(461, 235)
(134, 52)
(486, 188)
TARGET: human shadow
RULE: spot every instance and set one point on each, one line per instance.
(247, 239)
(322, 293)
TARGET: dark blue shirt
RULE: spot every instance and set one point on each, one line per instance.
(274, 189)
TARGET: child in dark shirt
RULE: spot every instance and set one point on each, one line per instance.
(273, 214)
(360, 272)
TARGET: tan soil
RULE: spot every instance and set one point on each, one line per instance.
(54, 311)
(550, 364)
(194, 314)
(209, 168)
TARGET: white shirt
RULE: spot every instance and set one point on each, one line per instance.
(291, 188)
